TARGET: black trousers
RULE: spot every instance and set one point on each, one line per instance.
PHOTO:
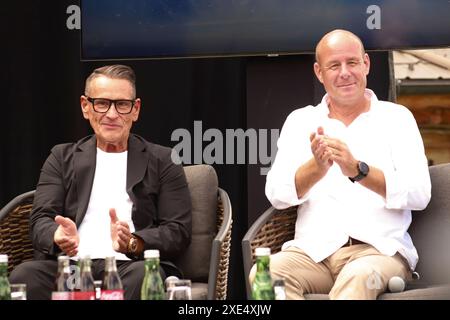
(39, 276)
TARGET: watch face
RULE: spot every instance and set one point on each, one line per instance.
(133, 245)
(363, 168)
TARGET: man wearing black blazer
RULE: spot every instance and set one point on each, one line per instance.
(109, 194)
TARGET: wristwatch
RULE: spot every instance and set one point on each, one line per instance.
(363, 171)
(132, 245)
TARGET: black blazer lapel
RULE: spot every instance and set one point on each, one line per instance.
(137, 164)
(84, 167)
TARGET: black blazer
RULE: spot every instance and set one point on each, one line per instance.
(161, 210)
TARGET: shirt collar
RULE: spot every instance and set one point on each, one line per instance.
(323, 105)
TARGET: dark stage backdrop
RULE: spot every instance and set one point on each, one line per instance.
(42, 79)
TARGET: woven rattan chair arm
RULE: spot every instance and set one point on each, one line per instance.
(220, 251)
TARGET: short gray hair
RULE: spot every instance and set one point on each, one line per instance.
(115, 71)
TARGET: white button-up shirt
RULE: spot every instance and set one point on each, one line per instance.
(335, 209)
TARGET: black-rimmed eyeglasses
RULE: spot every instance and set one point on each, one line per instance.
(102, 105)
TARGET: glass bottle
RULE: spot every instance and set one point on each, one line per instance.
(262, 287)
(280, 289)
(5, 288)
(152, 285)
(63, 291)
(87, 287)
(112, 288)
(169, 282)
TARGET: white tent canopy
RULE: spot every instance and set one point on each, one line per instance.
(427, 64)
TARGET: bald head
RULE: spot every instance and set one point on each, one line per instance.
(334, 37)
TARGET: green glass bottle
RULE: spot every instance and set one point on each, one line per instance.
(5, 289)
(262, 287)
(152, 285)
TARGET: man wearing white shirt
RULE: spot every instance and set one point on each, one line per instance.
(356, 167)
(109, 194)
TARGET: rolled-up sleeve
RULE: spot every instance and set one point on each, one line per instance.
(280, 182)
(408, 184)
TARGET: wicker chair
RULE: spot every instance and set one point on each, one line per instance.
(271, 230)
(205, 261)
(15, 231)
(430, 231)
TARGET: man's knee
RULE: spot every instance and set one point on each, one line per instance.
(22, 272)
(39, 277)
(358, 283)
(275, 268)
(132, 277)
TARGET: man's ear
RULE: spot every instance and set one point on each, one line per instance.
(136, 109)
(318, 72)
(366, 61)
(84, 106)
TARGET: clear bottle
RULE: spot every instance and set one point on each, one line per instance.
(5, 288)
(87, 286)
(112, 288)
(152, 285)
(279, 289)
(63, 291)
(170, 280)
(262, 287)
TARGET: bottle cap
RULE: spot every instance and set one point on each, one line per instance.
(170, 280)
(151, 254)
(3, 258)
(60, 258)
(262, 252)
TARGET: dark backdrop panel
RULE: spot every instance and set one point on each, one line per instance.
(41, 82)
(275, 87)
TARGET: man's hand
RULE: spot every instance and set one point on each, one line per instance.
(340, 153)
(66, 236)
(322, 154)
(120, 232)
(309, 173)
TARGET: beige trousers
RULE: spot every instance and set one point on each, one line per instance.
(355, 272)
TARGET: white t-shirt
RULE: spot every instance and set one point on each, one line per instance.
(334, 209)
(108, 191)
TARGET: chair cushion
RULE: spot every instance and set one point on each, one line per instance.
(203, 186)
(431, 293)
(430, 230)
(316, 296)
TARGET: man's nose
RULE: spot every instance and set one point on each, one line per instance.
(112, 112)
(344, 71)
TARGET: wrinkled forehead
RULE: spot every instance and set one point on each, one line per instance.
(101, 85)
